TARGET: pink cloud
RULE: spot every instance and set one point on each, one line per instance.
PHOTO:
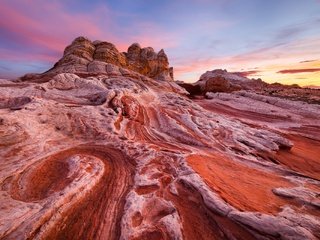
(21, 56)
(51, 27)
(51, 30)
(26, 29)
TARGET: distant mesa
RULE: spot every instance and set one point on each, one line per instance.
(219, 80)
(312, 87)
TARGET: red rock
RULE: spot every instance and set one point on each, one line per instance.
(98, 148)
(83, 56)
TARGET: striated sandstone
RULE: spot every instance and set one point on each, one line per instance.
(96, 148)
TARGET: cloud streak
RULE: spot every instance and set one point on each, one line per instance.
(248, 73)
(308, 61)
(301, 70)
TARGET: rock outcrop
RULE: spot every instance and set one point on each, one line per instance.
(222, 81)
(84, 56)
(96, 148)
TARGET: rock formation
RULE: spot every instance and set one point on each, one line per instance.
(98, 148)
(222, 81)
(84, 56)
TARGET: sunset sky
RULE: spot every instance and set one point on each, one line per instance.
(276, 40)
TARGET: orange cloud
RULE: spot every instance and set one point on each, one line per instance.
(269, 60)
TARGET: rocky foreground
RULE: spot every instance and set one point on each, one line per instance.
(105, 145)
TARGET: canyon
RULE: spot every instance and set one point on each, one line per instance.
(106, 145)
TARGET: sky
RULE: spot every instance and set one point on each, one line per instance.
(275, 40)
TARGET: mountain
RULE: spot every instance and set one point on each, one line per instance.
(105, 145)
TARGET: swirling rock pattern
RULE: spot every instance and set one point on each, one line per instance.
(110, 153)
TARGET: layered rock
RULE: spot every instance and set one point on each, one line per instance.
(84, 56)
(98, 150)
(222, 81)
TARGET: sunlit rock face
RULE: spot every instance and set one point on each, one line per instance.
(84, 56)
(99, 148)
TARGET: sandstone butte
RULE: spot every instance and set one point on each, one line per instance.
(106, 145)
